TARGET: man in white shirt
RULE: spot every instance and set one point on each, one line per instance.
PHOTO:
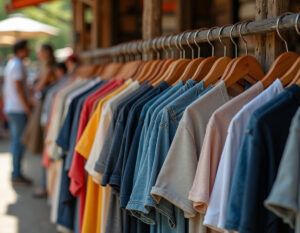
(16, 106)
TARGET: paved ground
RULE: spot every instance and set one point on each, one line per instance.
(19, 211)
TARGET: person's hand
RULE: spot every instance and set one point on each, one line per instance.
(28, 111)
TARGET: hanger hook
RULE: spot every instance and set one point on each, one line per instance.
(189, 44)
(157, 48)
(208, 41)
(170, 47)
(163, 44)
(241, 36)
(296, 24)
(180, 44)
(177, 46)
(131, 51)
(278, 32)
(233, 41)
(219, 36)
(198, 47)
(141, 49)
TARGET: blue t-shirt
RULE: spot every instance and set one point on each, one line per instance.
(141, 203)
(257, 165)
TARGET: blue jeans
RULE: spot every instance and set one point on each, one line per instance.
(17, 123)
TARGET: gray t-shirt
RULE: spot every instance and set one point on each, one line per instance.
(177, 174)
(284, 199)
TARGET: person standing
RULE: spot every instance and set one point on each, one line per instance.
(17, 107)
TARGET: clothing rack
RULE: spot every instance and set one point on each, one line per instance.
(286, 22)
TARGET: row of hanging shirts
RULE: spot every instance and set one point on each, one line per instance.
(236, 74)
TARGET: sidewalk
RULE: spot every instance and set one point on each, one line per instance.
(19, 211)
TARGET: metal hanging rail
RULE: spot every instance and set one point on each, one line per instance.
(287, 22)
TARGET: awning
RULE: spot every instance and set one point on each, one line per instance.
(17, 4)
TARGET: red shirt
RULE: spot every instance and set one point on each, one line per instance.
(77, 172)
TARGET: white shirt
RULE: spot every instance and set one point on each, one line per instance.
(216, 212)
(14, 71)
(102, 129)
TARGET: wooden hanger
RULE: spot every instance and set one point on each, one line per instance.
(296, 79)
(128, 70)
(207, 63)
(147, 65)
(291, 73)
(160, 70)
(139, 70)
(111, 70)
(283, 63)
(220, 65)
(156, 66)
(245, 67)
(194, 64)
(176, 69)
(100, 70)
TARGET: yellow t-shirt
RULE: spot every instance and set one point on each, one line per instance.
(93, 203)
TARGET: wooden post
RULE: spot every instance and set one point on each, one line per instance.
(151, 19)
(269, 46)
(183, 15)
(79, 27)
(106, 23)
(95, 25)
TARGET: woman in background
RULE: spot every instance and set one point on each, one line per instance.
(46, 75)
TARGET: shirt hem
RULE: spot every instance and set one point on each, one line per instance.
(186, 206)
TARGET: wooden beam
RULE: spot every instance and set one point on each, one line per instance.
(269, 46)
(151, 19)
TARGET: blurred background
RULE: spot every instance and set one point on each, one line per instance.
(81, 26)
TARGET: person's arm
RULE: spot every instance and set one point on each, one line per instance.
(19, 87)
(44, 80)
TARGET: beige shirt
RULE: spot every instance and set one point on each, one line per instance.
(56, 118)
(213, 144)
(178, 171)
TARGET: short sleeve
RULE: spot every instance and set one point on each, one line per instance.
(206, 170)
(18, 72)
(284, 197)
(85, 142)
(176, 176)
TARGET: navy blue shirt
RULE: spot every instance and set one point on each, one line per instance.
(102, 160)
(63, 140)
(130, 127)
(269, 135)
(118, 135)
(66, 208)
(75, 124)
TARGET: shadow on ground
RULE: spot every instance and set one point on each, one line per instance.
(19, 211)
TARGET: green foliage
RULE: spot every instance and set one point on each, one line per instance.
(57, 14)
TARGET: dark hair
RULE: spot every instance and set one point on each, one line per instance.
(22, 44)
(50, 50)
(62, 66)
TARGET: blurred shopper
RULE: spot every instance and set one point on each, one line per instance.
(33, 137)
(16, 106)
(46, 75)
(61, 75)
